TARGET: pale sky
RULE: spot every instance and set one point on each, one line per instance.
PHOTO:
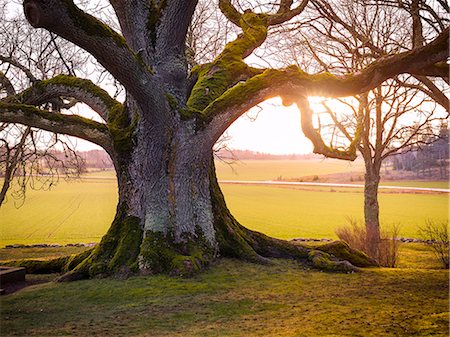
(276, 130)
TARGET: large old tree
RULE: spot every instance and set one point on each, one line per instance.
(171, 215)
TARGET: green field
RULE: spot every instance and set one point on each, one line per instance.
(415, 183)
(284, 169)
(81, 211)
(76, 211)
(288, 213)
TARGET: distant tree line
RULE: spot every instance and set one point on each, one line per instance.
(93, 159)
(428, 159)
(227, 154)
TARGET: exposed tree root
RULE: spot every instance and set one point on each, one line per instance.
(237, 241)
(58, 265)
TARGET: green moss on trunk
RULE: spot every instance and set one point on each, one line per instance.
(342, 250)
(116, 254)
(160, 253)
(327, 262)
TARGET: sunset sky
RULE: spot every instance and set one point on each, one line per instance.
(276, 130)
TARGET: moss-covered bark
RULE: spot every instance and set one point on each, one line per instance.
(162, 254)
(116, 254)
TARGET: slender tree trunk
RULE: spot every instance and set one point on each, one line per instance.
(372, 209)
(6, 183)
(12, 163)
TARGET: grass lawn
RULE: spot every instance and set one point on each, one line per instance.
(38, 253)
(233, 298)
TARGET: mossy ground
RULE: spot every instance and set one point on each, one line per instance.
(234, 298)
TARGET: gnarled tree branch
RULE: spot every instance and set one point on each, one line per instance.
(230, 12)
(285, 13)
(439, 69)
(314, 135)
(70, 125)
(6, 84)
(65, 19)
(293, 85)
(327, 84)
(68, 86)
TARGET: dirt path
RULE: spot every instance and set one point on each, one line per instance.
(296, 183)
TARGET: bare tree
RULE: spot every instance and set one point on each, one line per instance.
(30, 157)
(400, 113)
(171, 216)
(436, 235)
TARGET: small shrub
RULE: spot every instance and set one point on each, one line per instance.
(315, 178)
(388, 247)
(435, 234)
(354, 233)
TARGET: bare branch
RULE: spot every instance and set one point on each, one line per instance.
(285, 13)
(340, 126)
(439, 69)
(434, 92)
(11, 165)
(20, 66)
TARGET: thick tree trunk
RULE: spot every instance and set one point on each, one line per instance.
(164, 220)
(372, 209)
(172, 217)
